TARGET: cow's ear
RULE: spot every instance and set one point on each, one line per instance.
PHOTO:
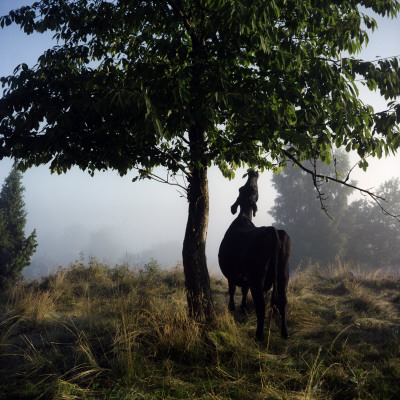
(234, 208)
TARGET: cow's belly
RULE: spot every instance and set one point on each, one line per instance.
(234, 271)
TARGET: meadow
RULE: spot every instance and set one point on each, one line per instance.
(90, 331)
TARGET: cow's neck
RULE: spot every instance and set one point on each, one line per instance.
(247, 213)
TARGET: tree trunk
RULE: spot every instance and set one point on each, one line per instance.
(197, 279)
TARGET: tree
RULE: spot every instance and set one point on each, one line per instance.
(187, 84)
(373, 237)
(15, 250)
(315, 235)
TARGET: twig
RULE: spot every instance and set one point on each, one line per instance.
(317, 186)
(168, 182)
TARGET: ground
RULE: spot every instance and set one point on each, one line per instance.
(95, 332)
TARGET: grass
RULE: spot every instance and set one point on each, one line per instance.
(94, 332)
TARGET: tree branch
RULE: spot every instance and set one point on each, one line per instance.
(376, 198)
(168, 182)
(317, 186)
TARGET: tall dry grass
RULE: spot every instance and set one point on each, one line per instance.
(32, 305)
(94, 332)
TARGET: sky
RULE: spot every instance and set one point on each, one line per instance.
(109, 217)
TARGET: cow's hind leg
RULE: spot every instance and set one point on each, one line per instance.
(245, 291)
(259, 304)
(282, 308)
(280, 304)
(232, 290)
(283, 278)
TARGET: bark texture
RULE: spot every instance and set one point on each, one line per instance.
(197, 279)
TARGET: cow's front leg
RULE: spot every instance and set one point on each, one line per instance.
(245, 291)
(232, 290)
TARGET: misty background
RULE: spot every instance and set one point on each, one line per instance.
(117, 221)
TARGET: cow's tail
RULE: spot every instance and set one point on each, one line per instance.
(275, 291)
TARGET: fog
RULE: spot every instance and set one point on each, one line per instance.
(109, 217)
(114, 220)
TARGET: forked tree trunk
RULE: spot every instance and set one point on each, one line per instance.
(197, 279)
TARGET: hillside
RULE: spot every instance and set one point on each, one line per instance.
(94, 332)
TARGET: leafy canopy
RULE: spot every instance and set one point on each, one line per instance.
(129, 79)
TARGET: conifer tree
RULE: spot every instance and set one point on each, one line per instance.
(374, 237)
(313, 218)
(15, 250)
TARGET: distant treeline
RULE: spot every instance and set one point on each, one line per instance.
(358, 231)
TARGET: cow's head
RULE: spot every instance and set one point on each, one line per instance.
(248, 195)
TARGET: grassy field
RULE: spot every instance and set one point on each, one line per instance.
(94, 332)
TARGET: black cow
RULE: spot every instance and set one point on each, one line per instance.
(255, 258)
